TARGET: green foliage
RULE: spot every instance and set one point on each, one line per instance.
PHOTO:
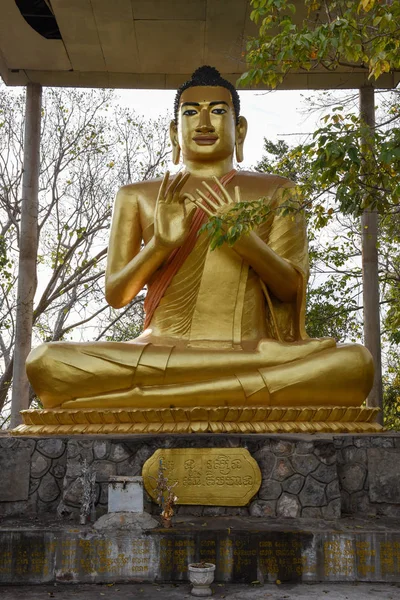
(362, 35)
(391, 390)
(333, 294)
(242, 218)
(390, 228)
(345, 156)
(357, 164)
(391, 402)
(333, 291)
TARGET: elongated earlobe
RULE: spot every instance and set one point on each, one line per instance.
(176, 153)
(241, 130)
(176, 149)
(239, 151)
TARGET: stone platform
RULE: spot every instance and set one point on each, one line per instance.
(244, 550)
(328, 509)
(324, 476)
(319, 476)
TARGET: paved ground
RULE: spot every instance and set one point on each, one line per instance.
(150, 591)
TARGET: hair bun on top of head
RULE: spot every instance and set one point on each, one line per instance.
(208, 76)
(206, 73)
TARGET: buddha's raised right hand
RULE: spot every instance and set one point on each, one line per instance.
(172, 218)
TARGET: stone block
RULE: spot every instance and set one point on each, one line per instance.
(270, 490)
(294, 484)
(362, 442)
(304, 447)
(74, 468)
(384, 475)
(48, 490)
(101, 449)
(332, 490)
(58, 470)
(263, 508)
(134, 464)
(359, 503)
(40, 465)
(266, 461)
(118, 453)
(84, 449)
(325, 473)
(332, 510)
(305, 463)
(282, 470)
(15, 466)
(104, 469)
(326, 452)
(352, 477)
(313, 493)
(288, 506)
(33, 485)
(8, 442)
(72, 449)
(352, 454)
(52, 448)
(343, 441)
(382, 441)
(73, 493)
(282, 447)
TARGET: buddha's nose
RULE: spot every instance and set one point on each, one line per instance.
(204, 125)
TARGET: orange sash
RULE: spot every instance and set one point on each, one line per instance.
(177, 257)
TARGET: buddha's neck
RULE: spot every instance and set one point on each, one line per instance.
(205, 170)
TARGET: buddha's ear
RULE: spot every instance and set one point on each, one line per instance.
(176, 149)
(241, 130)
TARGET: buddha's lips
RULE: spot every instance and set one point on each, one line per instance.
(205, 140)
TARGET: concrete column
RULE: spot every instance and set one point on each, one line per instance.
(28, 241)
(369, 225)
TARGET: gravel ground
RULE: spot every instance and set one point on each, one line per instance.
(148, 591)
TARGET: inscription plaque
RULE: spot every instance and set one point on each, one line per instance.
(208, 476)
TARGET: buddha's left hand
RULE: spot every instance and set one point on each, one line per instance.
(214, 203)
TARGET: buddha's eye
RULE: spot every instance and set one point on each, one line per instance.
(189, 112)
(219, 111)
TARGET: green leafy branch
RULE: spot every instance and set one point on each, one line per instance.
(362, 35)
(241, 219)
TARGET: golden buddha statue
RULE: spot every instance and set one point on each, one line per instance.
(223, 327)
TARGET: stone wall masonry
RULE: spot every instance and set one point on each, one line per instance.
(32, 473)
(302, 476)
(369, 474)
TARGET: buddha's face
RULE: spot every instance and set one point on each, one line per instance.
(207, 128)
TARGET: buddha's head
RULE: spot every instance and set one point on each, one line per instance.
(207, 125)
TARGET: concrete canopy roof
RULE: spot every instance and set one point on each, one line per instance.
(137, 44)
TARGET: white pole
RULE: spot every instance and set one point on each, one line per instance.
(28, 241)
(369, 225)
